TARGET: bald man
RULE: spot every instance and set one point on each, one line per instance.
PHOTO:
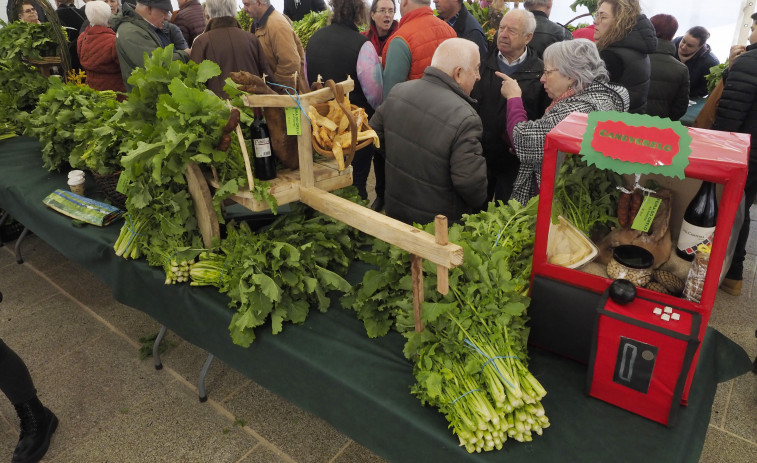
(432, 139)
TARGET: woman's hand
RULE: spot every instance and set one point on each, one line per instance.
(510, 87)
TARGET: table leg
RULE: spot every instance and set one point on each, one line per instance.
(17, 249)
(201, 380)
(156, 347)
(3, 218)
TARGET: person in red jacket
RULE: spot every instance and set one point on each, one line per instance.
(97, 49)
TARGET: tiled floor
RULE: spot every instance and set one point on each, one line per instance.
(82, 349)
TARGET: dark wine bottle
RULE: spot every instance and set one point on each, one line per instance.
(265, 164)
(699, 220)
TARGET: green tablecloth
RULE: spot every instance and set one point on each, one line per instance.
(329, 367)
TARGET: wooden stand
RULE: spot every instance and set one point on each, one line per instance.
(312, 183)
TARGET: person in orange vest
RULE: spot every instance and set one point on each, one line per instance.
(411, 47)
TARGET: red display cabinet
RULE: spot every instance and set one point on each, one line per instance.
(719, 157)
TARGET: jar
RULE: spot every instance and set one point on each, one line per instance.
(76, 181)
(632, 263)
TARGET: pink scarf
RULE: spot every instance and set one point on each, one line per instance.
(567, 94)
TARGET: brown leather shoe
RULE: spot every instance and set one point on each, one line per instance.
(732, 287)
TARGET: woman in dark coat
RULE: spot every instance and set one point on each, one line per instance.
(737, 112)
(339, 50)
(625, 38)
(226, 44)
(97, 49)
(669, 87)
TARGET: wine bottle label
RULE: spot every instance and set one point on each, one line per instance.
(692, 236)
(262, 147)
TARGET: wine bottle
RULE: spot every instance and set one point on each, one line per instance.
(699, 220)
(265, 164)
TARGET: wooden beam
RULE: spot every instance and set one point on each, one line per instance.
(442, 237)
(416, 272)
(392, 231)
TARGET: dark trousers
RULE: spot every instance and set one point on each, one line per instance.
(361, 168)
(500, 184)
(735, 272)
(15, 381)
(379, 170)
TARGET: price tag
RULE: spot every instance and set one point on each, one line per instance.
(122, 184)
(646, 214)
(293, 121)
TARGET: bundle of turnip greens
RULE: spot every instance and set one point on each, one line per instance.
(470, 361)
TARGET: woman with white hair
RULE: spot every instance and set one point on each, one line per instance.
(226, 44)
(576, 79)
(97, 49)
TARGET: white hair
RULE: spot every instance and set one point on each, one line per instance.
(220, 8)
(527, 18)
(98, 12)
(453, 53)
(579, 60)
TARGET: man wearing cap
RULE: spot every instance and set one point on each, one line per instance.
(139, 30)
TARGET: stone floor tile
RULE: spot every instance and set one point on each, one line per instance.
(356, 453)
(720, 404)
(741, 418)
(265, 454)
(187, 359)
(167, 425)
(722, 447)
(301, 435)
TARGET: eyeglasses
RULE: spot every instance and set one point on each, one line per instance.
(385, 11)
(29, 11)
(598, 18)
(546, 72)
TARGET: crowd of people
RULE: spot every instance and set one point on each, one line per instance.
(461, 120)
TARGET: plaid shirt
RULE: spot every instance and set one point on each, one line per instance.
(528, 136)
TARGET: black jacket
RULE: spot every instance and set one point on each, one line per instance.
(547, 33)
(467, 27)
(669, 87)
(492, 106)
(699, 67)
(71, 18)
(627, 62)
(332, 53)
(737, 110)
(432, 138)
(297, 9)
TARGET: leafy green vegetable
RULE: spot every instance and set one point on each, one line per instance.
(716, 73)
(29, 40)
(311, 22)
(470, 360)
(586, 196)
(60, 110)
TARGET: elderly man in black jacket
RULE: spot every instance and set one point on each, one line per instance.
(546, 32)
(454, 13)
(432, 139)
(737, 112)
(514, 58)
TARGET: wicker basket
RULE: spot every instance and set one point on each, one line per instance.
(10, 230)
(106, 185)
(323, 109)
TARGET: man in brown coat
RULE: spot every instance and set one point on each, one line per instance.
(226, 44)
(280, 44)
(190, 18)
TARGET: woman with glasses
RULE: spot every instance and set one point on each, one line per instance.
(382, 25)
(27, 13)
(625, 38)
(576, 79)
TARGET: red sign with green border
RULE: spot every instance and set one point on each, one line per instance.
(636, 144)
